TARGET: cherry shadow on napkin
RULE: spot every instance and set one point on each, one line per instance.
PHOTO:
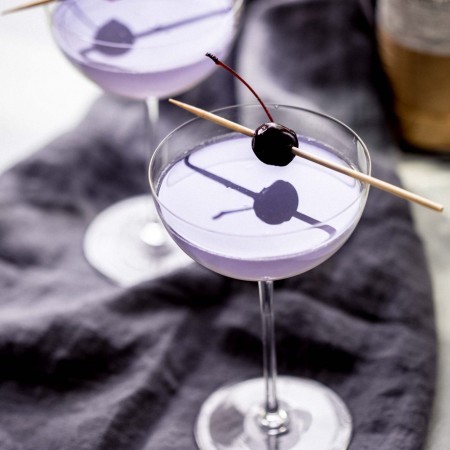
(87, 365)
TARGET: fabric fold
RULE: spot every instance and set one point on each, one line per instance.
(88, 365)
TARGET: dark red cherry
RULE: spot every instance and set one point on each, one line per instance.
(272, 144)
(114, 38)
(277, 203)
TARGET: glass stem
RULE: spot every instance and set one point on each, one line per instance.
(152, 232)
(273, 419)
(153, 119)
(268, 338)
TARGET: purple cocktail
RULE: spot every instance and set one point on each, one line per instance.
(141, 49)
(257, 221)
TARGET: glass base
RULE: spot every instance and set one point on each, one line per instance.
(231, 418)
(127, 243)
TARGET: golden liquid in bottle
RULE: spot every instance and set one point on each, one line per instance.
(420, 82)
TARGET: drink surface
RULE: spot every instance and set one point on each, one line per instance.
(248, 220)
(143, 48)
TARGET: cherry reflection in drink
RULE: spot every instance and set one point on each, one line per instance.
(249, 220)
(144, 50)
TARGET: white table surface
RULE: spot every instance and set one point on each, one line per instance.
(41, 96)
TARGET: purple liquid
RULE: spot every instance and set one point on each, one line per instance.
(143, 48)
(251, 221)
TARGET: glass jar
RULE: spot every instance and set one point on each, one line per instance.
(414, 47)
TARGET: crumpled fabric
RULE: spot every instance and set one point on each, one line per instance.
(89, 365)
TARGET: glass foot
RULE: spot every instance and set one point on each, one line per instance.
(127, 243)
(231, 418)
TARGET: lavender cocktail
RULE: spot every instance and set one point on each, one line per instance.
(141, 49)
(257, 221)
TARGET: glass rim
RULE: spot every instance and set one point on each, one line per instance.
(361, 197)
(234, 9)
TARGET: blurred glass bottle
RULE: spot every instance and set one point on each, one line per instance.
(414, 46)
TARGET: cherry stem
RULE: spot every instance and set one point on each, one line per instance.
(217, 61)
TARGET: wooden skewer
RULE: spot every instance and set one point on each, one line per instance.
(395, 190)
(27, 6)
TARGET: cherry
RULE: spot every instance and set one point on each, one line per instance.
(272, 144)
(277, 203)
(113, 33)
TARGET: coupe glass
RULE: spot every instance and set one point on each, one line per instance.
(144, 50)
(255, 222)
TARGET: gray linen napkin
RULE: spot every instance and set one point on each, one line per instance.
(86, 365)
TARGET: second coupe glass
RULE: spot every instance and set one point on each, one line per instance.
(144, 50)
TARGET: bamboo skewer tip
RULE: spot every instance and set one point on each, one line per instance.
(25, 6)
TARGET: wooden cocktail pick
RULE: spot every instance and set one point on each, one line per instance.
(380, 184)
(27, 6)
